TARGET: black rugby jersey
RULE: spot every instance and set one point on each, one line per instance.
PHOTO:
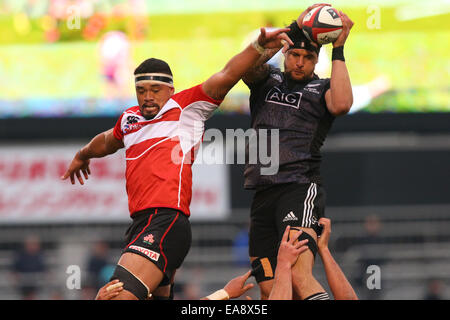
(298, 110)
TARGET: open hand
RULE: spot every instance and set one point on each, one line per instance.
(275, 39)
(109, 290)
(289, 251)
(236, 287)
(76, 167)
(347, 24)
(322, 241)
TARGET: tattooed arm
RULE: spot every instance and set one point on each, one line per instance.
(219, 84)
(260, 69)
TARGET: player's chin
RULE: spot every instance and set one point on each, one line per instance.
(149, 113)
(298, 76)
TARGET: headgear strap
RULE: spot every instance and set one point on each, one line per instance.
(305, 44)
(156, 78)
(300, 40)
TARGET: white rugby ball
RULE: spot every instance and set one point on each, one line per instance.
(322, 25)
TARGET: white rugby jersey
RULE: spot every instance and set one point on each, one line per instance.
(161, 151)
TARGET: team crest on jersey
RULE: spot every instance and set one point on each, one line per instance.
(132, 119)
(291, 99)
(312, 87)
(277, 77)
(149, 239)
(312, 90)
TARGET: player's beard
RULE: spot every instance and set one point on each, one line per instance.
(297, 78)
(149, 114)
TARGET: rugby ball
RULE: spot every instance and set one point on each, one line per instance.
(322, 25)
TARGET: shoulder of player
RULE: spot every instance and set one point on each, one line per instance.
(132, 110)
(129, 116)
(316, 79)
(318, 84)
(194, 94)
(265, 75)
(129, 112)
(274, 71)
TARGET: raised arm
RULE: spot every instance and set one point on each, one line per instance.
(101, 145)
(288, 253)
(339, 285)
(339, 97)
(260, 69)
(218, 85)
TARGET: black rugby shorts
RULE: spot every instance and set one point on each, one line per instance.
(161, 235)
(274, 208)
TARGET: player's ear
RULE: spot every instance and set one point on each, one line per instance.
(316, 57)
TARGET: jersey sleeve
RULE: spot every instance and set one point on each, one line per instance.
(257, 84)
(195, 94)
(117, 131)
(326, 86)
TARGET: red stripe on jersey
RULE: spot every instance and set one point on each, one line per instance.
(162, 239)
(138, 149)
(117, 131)
(171, 115)
(194, 94)
(154, 179)
(134, 110)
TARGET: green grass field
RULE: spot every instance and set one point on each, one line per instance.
(413, 55)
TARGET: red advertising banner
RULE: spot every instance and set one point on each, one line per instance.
(31, 189)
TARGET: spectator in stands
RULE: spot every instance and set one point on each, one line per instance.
(435, 289)
(371, 255)
(97, 265)
(191, 287)
(29, 268)
(116, 64)
(190, 291)
(240, 248)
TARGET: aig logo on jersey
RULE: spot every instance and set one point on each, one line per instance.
(286, 99)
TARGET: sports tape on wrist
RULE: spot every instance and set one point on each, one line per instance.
(219, 295)
(258, 47)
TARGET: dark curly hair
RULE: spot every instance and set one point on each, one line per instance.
(153, 65)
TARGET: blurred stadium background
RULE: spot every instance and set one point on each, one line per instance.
(66, 75)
